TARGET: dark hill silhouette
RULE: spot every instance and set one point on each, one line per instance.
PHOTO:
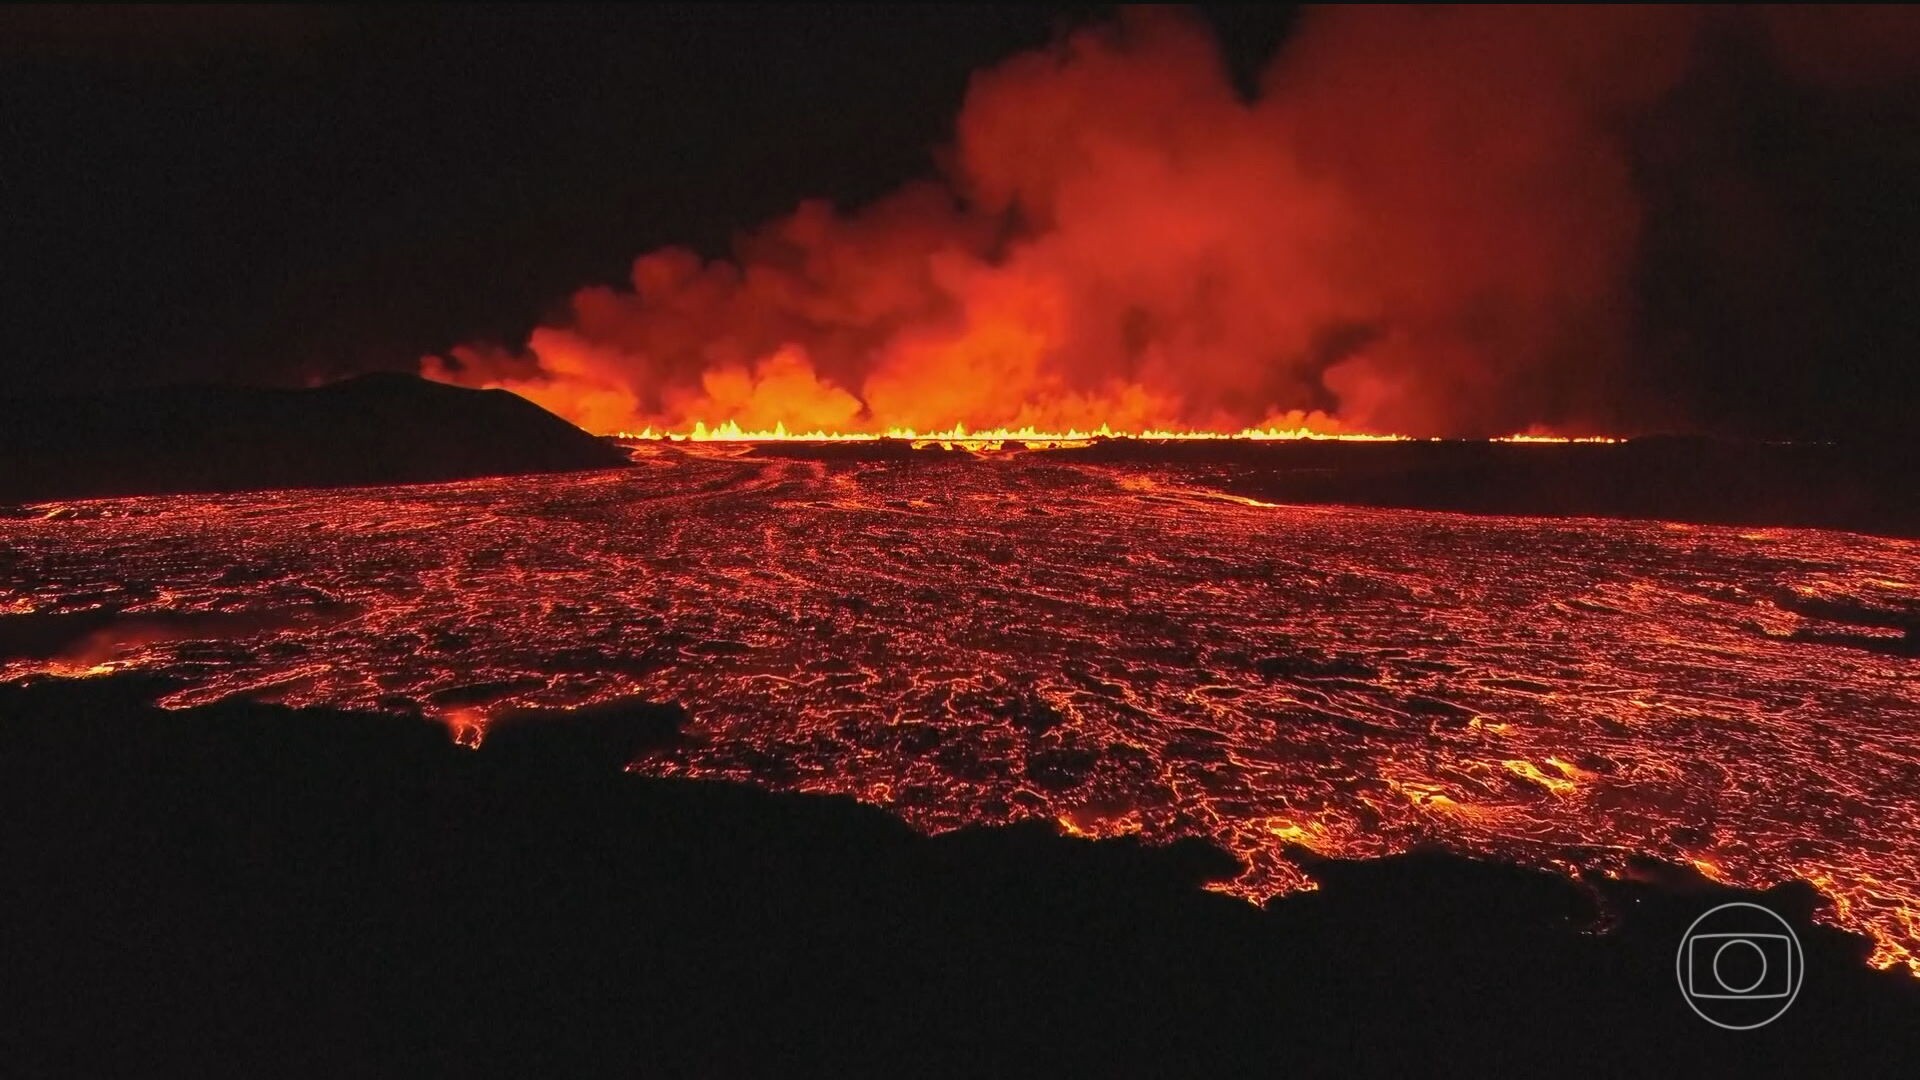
(244, 889)
(374, 429)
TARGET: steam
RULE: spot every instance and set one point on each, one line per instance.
(1424, 222)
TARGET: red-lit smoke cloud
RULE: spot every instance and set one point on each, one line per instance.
(1424, 222)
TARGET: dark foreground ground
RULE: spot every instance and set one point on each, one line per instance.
(241, 889)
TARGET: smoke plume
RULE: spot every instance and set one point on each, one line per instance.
(1424, 221)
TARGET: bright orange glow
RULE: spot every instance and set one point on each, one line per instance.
(1423, 223)
(1029, 436)
(959, 434)
(1534, 438)
(1120, 648)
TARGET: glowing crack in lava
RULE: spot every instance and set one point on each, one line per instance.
(1120, 648)
(959, 435)
(998, 438)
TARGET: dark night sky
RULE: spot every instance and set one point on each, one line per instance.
(269, 196)
(258, 195)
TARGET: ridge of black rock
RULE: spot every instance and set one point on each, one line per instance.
(1862, 486)
(1869, 487)
(243, 888)
(369, 430)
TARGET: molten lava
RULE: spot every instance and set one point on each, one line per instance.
(1030, 437)
(1036, 439)
(1121, 648)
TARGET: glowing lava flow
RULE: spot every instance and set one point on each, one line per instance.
(1121, 647)
(960, 434)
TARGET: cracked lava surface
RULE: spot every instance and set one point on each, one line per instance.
(1122, 648)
